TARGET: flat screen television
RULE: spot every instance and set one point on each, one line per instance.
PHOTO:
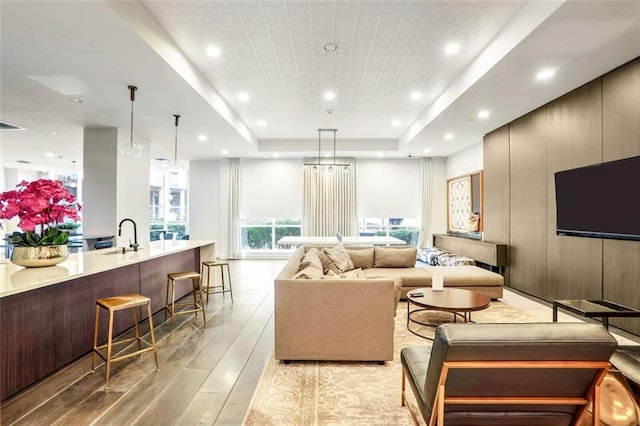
(600, 201)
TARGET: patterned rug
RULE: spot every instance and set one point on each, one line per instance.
(351, 393)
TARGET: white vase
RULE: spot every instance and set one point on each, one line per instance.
(37, 257)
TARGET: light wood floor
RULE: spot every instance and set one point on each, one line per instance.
(207, 373)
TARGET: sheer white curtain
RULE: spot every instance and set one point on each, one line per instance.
(426, 183)
(233, 227)
(330, 199)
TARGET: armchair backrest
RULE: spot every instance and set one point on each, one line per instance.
(492, 361)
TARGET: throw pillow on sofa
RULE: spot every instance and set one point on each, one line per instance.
(340, 258)
(327, 263)
(362, 258)
(387, 257)
(310, 266)
(356, 274)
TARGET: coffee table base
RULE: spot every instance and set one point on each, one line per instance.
(465, 316)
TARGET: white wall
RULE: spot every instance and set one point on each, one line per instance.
(388, 188)
(132, 200)
(114, 186)
(204, 200)
(466, 161)
(99, 211)
(439, 198)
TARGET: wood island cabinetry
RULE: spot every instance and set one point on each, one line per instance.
(47, 322)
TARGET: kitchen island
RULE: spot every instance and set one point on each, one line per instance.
(47, 314)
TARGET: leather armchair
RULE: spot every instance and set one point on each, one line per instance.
(508, 374)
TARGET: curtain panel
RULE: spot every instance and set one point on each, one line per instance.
(426, 181)
(329, 199)
(233, 227)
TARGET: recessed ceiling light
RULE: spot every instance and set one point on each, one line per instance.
(49, 154)
(396, 123)
(262, 122)
(224, 152)
(202, 138)
(545, 74)
(243, 97)
(452, 48)
(213, 51)
(76, 100)
(483, 113)
(416, 96)
(426, 151)
(54, 133)
(275, 155)
(329, 95)
(448, 136)
(330, 47)
(380, 154)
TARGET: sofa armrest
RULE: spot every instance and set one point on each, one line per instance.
(334, 319)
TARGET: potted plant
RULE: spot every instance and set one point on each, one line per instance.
(41, 205)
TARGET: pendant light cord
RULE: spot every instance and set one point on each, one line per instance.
(175, 149)
(132, 91)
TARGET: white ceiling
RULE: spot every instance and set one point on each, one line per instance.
(273, 51)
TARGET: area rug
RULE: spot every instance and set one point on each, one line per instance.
(351, 393)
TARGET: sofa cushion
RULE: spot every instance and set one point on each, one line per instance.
(465, 276)
(411, 277)
(357, 274)
(340, 258)
(387, 257)
(327, 263)
(310, 266)
(362, 258)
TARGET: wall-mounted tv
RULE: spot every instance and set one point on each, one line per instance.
(600, 201)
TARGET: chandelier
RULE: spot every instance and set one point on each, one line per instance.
(332, 166)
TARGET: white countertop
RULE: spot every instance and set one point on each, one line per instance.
(362, 240)
(15, 279)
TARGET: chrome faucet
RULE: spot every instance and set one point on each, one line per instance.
(133, 245)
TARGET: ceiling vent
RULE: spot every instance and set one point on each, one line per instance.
(7, 126)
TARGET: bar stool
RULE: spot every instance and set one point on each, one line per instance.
(211, 289)
(197, 289)
(114, 304)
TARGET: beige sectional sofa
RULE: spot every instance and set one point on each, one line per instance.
(319, 317)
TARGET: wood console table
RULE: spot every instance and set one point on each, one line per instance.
(482, 251)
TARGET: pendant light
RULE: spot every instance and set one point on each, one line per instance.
(133, 150)
(73, 179)
(329, 166)
(175, 147)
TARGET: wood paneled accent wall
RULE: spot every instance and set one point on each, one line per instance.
(621, 139)
(597, 122)
(528, 203)
(574, 139)
(496, 207)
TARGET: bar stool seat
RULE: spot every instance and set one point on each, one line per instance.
(225, 285)
(112, 305)
(198, 298)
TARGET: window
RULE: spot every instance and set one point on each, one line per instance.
(168, 212)
(406, 229)
(155, 209)
(262, 235)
